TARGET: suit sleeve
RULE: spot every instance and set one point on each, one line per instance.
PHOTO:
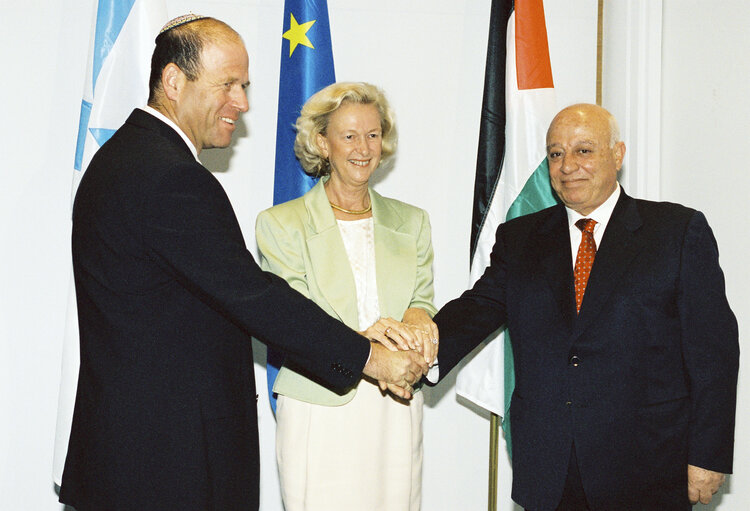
(189, 228)
(424, 293)
(710, 349)
(469, 319)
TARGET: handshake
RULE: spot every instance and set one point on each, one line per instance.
(402, 352)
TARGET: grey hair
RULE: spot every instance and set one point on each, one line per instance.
(614, 131)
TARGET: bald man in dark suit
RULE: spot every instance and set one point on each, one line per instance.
(626, 351)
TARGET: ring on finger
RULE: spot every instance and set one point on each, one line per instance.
(387, 330)
(434, 341)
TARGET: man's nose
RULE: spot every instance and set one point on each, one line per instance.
(568, 164)
(240, 101)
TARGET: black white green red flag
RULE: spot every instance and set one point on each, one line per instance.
(512, 173)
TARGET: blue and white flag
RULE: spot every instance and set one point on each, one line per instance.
(306, 67)
(118, 69)
(122, 42)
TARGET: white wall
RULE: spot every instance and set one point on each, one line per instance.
(43, 65)
(428, 55)
(705, 138)
(683, 97)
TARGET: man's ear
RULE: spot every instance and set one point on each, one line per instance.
(619, 151)
(172, 81)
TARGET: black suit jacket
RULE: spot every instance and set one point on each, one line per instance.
(168, 296)
(643, 380)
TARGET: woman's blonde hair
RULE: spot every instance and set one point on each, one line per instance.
(317, 111)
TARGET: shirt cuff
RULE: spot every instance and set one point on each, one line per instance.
(368, 355)
(433, 375)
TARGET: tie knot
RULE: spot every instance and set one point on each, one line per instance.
(586, 225)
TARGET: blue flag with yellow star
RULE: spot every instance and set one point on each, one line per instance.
(306, 67)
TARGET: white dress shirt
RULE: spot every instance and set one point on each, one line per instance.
(600, 214)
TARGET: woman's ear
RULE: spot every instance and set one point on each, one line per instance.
(322, 144)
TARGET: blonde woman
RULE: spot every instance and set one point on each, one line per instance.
(367, 261)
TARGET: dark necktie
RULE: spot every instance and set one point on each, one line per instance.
(585, 258)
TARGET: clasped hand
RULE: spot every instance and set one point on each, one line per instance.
(413, 347)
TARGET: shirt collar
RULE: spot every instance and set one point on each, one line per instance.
(169, 122)
(600, 214)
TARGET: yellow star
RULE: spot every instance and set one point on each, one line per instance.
(297, 34)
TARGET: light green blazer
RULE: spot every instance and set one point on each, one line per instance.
(300, 241)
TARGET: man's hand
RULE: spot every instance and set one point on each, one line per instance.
(395, 370)
(425, 330)
(702, 484)
(395, 390)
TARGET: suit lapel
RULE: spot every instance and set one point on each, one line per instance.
(618, 247)
(333, 272)
(552, 242)
(395, 259)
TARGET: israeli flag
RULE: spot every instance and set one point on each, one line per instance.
(119, 63)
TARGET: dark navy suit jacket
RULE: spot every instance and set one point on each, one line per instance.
(643, 380)
(168, 297)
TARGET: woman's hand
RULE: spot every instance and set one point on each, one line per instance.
(392, 334)
(425, 330)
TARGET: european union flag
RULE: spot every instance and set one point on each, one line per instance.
(306, 67)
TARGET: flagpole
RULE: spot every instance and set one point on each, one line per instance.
(530, 70)
(494, 441)
(599, 37)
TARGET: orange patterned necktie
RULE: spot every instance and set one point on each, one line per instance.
(585, 258)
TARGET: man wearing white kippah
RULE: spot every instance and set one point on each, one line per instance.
(168, 297)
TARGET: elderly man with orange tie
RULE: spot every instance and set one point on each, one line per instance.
(626, 351)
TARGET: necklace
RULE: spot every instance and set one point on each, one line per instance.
(351, 211)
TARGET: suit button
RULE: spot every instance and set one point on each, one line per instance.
(574, 361)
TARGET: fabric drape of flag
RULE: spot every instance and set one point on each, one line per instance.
(512, 174)
(306, 67)
(122, 42)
